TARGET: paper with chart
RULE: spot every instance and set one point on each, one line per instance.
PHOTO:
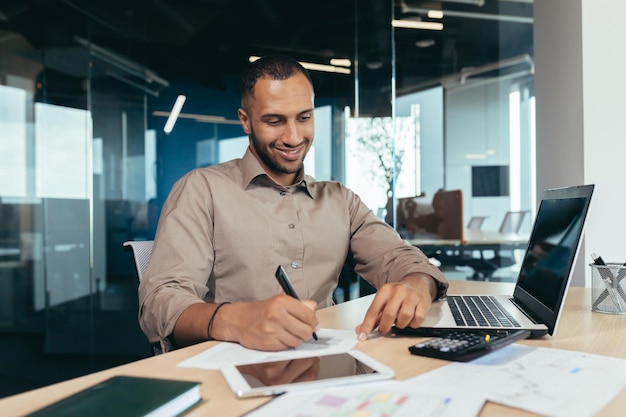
(390, 399)
(329, 341)
(550, 382)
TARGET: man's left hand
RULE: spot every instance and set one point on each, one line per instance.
(403, 303)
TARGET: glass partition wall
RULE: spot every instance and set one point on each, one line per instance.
(85, 164)
(412, 135)
(74, 184)
(475, 122)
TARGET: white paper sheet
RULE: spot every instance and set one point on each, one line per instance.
(329, 341)
(390, 399)
(551, 382)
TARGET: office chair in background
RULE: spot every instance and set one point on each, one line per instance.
(484, 267)
(512, 221)
(476, 222)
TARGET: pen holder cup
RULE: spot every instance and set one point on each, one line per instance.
(608, 288)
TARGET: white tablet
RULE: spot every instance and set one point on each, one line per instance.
(277, 377)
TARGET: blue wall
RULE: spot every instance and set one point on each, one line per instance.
(176, 152)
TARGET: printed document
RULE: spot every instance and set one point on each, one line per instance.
(546, 381)
(329, 341)
(389, 399)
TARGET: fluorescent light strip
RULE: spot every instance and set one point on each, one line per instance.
(435, 14)
(341, 62)
(171, 120)
(515, 174)
(475, 156)
(417, 24)
(204, 118)
(325, 68)
(315, 67)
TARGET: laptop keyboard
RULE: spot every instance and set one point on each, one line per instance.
(479, 310)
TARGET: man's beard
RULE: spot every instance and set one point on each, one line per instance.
(270, 162)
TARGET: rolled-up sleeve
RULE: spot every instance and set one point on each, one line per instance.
(181, 262)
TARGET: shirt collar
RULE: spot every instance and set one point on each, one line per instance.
(252, 169)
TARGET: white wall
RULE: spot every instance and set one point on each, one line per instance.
(477, 123)
(580, 111)
(430, 134)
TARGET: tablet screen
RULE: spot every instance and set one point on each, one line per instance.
(300, 370)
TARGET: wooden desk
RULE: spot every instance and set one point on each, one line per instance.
(579, 329)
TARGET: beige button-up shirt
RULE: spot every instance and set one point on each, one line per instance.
(224, 230)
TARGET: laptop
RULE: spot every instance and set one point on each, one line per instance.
(542, 282)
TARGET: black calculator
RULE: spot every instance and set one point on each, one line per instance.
(464, 346)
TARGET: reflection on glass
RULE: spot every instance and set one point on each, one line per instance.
(281, 372)
(13, 144)
(303, 369)
(375, 163)
(551, 249)
(62, 151)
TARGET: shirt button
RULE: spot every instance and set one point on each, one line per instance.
(283, 193)
(292, 226)
(294, 265)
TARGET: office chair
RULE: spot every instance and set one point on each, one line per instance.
(476, 222)
(142, 249)
(484, 267)
(512, 221)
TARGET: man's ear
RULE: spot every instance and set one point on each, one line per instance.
(244, 119)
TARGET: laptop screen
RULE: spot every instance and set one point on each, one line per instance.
(552, 249)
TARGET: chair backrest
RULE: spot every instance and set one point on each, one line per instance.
(451, 206)
(476, 222)
(512, 221)
(142, 249)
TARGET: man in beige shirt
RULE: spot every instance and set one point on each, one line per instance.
(225, 229)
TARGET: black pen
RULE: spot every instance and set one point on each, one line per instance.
(284, 282)
(621, 274)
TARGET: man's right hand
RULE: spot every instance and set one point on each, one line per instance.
(278, 323)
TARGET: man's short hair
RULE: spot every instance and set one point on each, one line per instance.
(274, 67)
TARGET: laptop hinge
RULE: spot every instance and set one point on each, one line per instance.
(523, 309)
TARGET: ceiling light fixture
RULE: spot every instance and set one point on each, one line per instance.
(425, 43)
(479, 3)
(325, 68)
(472, 15)
(171, 120)
(315, 67)
(417, 24)
(374, 64)
(435, 14)
(475, 156)
(201, 118)
(341, 62)
(121, 62)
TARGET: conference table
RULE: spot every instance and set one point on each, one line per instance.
(454, 252)
(471, 239)
(580, 329)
